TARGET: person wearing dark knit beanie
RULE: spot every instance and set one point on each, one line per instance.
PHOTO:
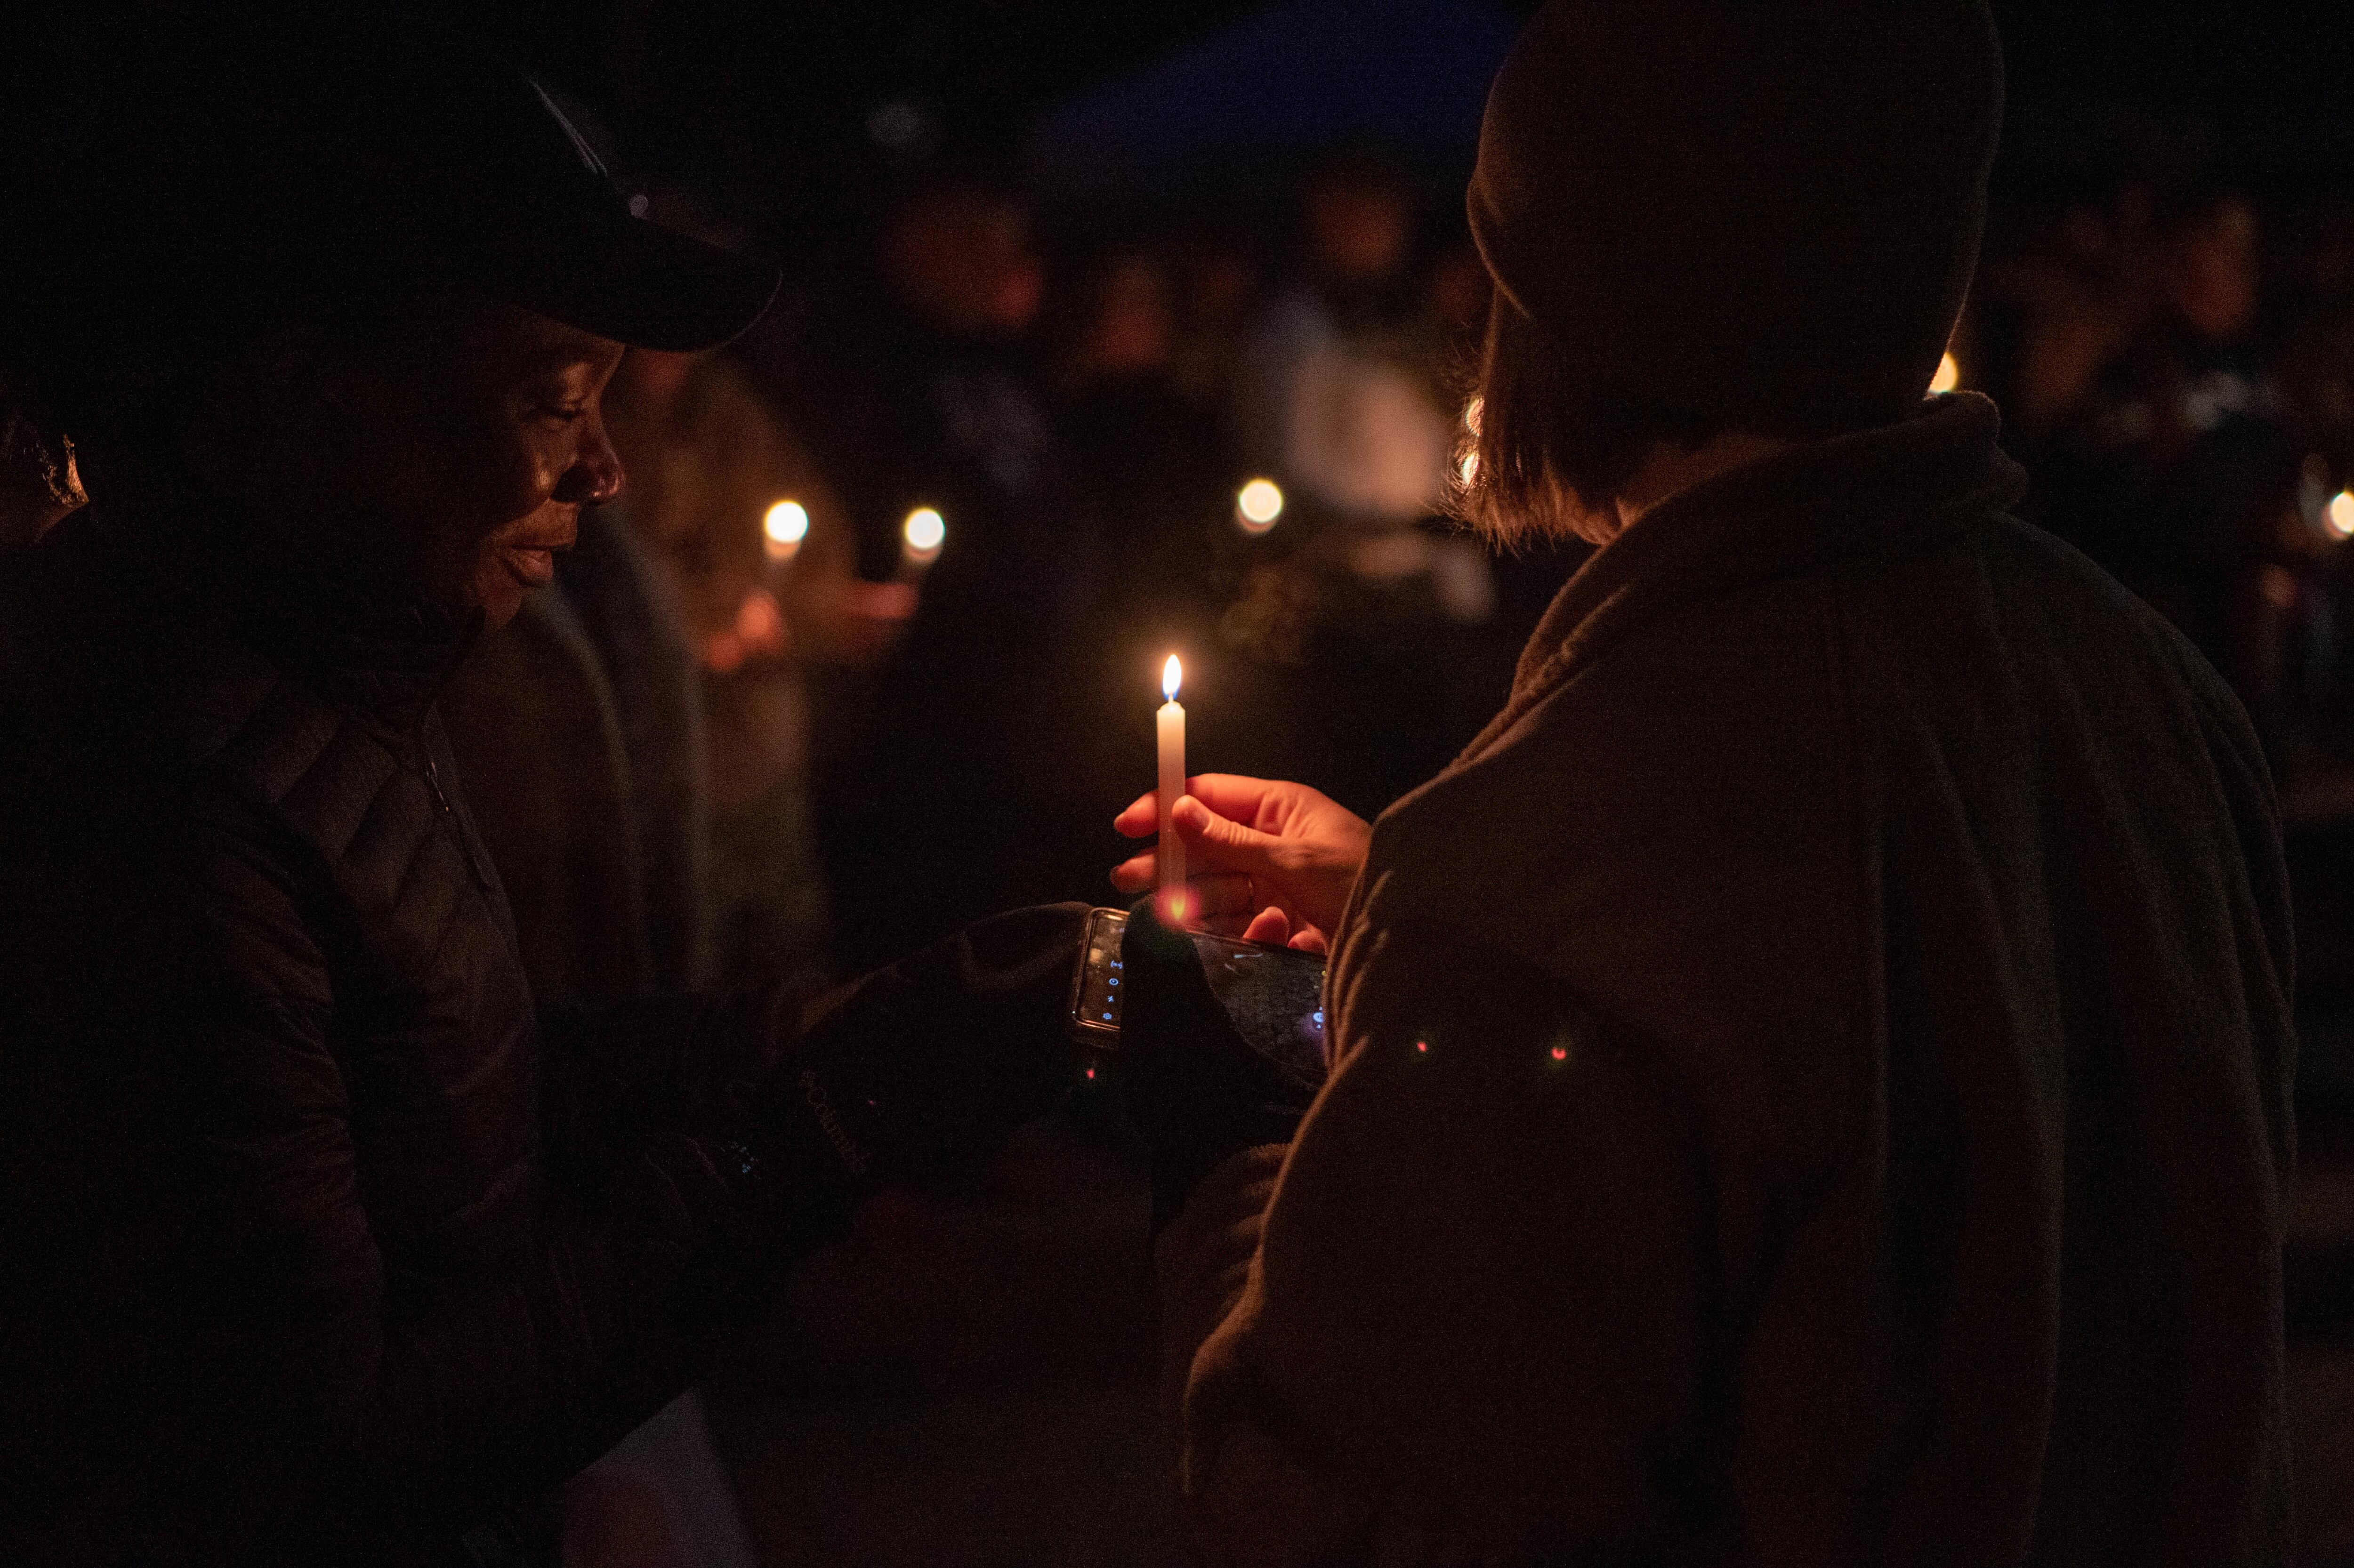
(1646, 194)
(1810, 1083)
(1676, 253)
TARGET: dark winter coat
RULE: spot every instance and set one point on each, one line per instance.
(316, 1248)
(1810, 1086)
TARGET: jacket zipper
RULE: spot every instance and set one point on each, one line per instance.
(450, 815)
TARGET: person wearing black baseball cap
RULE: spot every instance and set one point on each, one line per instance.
(1810, 1083)
(321, 1247)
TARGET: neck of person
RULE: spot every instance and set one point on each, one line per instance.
(1666, 472)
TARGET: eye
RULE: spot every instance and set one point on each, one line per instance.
(561, 413)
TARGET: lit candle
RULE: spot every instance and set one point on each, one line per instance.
(1172, 854)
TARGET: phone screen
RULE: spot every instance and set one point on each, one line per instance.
(1275, 995)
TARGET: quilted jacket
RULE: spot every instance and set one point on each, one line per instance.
(316, 1246)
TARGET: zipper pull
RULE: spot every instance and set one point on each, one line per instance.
(457, 827)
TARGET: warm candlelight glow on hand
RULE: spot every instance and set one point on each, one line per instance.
(1173, 676)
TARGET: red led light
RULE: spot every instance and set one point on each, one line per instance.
(1560, 1053)
(1423, 1046)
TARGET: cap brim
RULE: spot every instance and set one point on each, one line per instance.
(640, 284)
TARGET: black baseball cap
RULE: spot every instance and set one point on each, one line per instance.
(184, 174)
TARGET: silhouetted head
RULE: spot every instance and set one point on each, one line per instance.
(1704, 217)
(359, 283)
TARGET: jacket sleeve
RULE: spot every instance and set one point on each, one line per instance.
(371, 1389)
(1474, 1327)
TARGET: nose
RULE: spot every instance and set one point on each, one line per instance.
(595, 475)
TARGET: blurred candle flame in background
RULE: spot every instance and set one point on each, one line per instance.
(1259, 506)
(786, 526)
(924, 531)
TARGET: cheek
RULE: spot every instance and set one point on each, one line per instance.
(495, 472)
(457, 489)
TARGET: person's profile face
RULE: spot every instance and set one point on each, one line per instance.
(475, 451)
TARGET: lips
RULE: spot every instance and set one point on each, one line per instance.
(531, 567)
(530, 559)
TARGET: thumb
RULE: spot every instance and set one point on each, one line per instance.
(1229, 846)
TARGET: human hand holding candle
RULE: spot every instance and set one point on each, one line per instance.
(1254, 845)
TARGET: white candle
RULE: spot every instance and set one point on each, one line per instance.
(1172, 854)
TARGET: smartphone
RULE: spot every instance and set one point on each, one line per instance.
(1275, 995)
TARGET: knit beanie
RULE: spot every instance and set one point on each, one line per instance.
(1763, 214)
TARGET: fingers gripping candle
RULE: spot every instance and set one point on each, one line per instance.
(1172, 849)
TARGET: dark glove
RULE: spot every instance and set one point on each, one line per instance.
(923, 1069)
(1197, 1091)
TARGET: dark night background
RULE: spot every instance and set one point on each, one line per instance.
(780, 90)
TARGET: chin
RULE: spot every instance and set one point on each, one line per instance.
(501, 602)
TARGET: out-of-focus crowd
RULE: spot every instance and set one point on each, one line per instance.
(871, 644)
(930, 532)
(2174, 356)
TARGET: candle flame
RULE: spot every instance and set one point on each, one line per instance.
(1258, 504)
(1948, 376)
(2341, 514)
(1172, 674)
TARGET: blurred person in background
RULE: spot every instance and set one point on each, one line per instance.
(761, 610)
(1371, 623)
(1333, 397)
(1217, 282)
(2177, 468)
(926, 396)
(322, 1247)
(1811, 1082)
(1152, 463)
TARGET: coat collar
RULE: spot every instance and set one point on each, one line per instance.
(1896, 490)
